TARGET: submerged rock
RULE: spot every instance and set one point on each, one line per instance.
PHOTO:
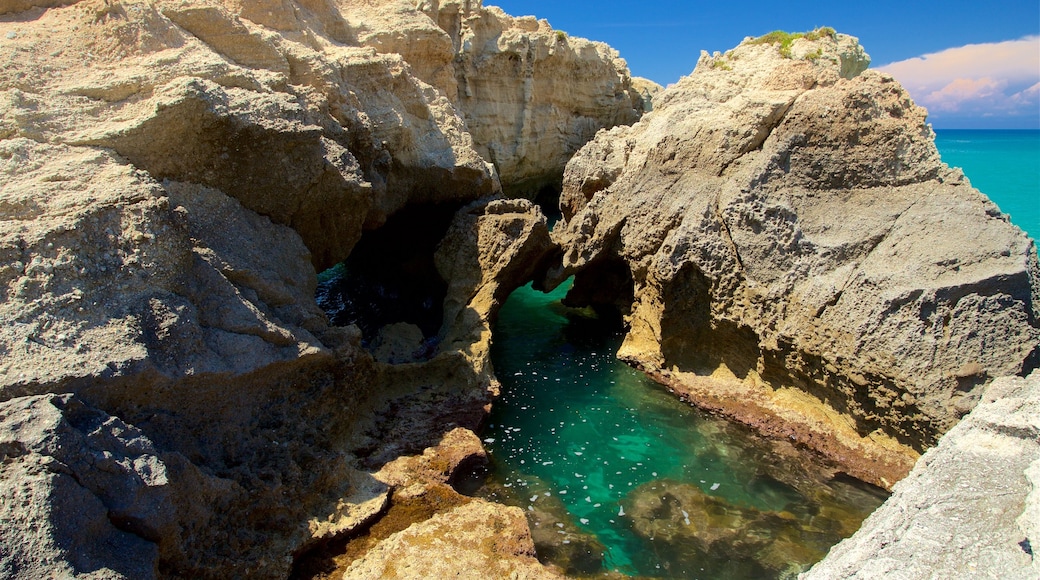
(686, 526)
(796, 255)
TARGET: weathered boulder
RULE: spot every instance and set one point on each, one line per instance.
(796, 255)
(110, 275)
(478, 539)
(955, 515)
(94, 488)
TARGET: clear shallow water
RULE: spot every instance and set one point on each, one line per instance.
(618, 475)
(1004, 164)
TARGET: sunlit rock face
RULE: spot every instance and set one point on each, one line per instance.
(530, 96)
(174, 173)
(798, 256)
(971, 503)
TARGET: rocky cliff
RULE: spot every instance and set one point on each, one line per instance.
(173, 401)
(791, 251)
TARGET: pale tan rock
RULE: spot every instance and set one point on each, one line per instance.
(954, 515)
(339, 136)
(172, 174)
(442, 463)
(489, 250)
(476, 540)
(9, 6)
(798, 253)
(531, 95)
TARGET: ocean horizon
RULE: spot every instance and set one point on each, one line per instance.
(1004, 164)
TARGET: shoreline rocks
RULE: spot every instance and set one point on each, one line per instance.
(968, 508)
(175, 172)
(796, 256)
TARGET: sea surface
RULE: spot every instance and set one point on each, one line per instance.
(617, 475)
(1003, 164)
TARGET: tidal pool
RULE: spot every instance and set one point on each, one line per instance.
(619, 477)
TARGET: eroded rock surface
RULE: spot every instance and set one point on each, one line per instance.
(792, 252)
(968, 508)
(477, 540)
(531, 96)
(173, 174)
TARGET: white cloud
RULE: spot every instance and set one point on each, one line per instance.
(994, 79)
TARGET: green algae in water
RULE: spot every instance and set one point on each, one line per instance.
(619, 476)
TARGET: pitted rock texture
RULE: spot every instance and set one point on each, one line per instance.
(476, 540)
(969, 507)
(173, 173)
(796, 255)
(531, 96)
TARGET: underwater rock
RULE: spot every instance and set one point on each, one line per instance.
(684, 526)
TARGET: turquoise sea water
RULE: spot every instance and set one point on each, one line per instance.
(617, 474)
(1003, 164)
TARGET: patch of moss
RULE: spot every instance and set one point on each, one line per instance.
(786, 39)
(721, 64)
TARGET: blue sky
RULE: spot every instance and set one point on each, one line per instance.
(661, 41)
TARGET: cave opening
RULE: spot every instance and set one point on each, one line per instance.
(605, 285)
(548, 199)
(694, 341)
(390, 276)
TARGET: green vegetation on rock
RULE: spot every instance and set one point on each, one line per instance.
(786, 39)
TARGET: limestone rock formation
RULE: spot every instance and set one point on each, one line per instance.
(173, 173)
(950, 517)
(476, 540)
(531, 96)
(792, 252)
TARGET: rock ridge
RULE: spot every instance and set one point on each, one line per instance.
(863, 338)
(174, 173)
(950, 517)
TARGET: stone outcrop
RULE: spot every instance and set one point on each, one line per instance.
(173, 400)
(791, 251)
(531, 96)
(476, 540)
(969, 507)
